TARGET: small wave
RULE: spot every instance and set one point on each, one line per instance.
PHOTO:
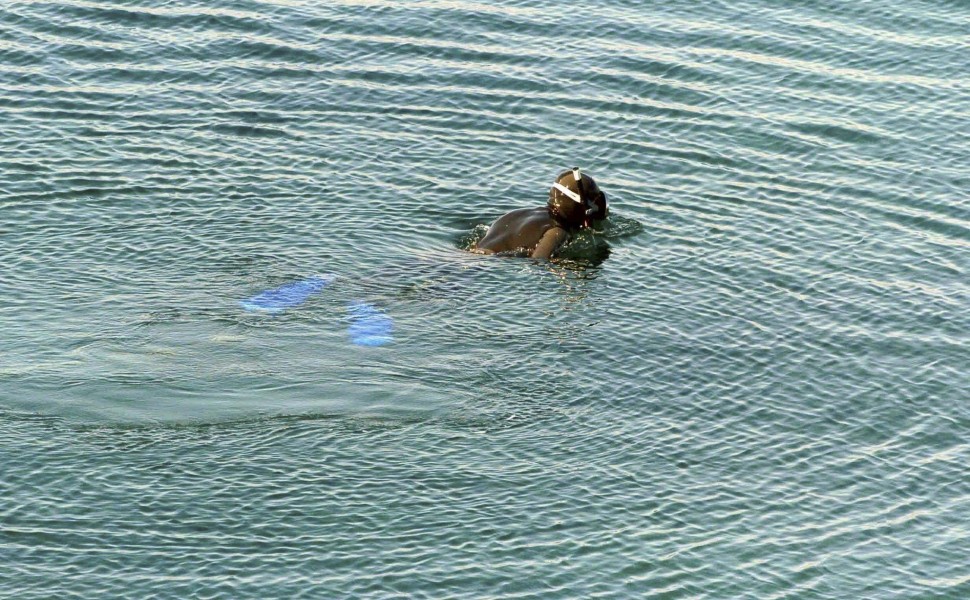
(842, 133)
(246, 130)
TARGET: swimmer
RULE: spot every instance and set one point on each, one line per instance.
(575, 202)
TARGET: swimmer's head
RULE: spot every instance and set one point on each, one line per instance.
(575, 200)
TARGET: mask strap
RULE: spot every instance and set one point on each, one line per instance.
(568, 192)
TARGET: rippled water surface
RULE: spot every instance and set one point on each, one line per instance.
(751, 383)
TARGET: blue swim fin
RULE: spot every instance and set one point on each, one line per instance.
(287, 296)
(369, 325)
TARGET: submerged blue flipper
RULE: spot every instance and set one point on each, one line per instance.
(286, 296)
(369, 325)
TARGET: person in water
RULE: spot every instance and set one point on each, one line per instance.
(575, 201)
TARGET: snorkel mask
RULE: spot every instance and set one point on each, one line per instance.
(584, 203)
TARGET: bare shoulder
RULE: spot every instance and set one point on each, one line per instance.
(518, 216)
(518, 229)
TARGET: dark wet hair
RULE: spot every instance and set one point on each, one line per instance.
(575, 200)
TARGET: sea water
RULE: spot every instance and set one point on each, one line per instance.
(752, 382)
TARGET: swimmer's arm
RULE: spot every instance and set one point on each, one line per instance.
(551, 240)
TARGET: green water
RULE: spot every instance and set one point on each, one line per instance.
(752, 383)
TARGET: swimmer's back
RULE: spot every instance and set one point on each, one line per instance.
(523, 230)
